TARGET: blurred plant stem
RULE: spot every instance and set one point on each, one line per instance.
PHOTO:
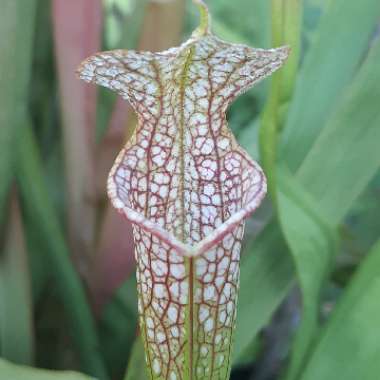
(115, 258)
(16, 306)
(77, 34)
(292, 36)
(286, 30)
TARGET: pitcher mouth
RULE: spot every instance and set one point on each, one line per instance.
(207, 243)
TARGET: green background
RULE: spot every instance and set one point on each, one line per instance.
(310, 276)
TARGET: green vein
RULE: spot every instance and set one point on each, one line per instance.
(189, 263)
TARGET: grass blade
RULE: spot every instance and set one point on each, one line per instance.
(16, 331)
(312, 243)
(349, 345)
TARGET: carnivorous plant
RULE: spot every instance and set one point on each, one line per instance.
(187, 187)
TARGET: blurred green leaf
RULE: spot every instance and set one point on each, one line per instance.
(346, 155)
(340, 43)
(16, 309)
(349, 346)
(265, 279)
(354, 133)
(364, 221)
(347, 134)
(251, 26)
(312, 242)
(313, 10)
(137, 369)
(37, 253)
(129, 30)
(225, 32)
(37, 204)
(331, 138)
(118, 326)
(249, 354)
(122, 22)
(9, 371)
(15, 64)
(248, 139)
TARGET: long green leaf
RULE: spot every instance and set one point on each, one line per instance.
(9, 371)
(16, 331)
(349, 347)
(37, 204)
(340, 43)
(357, 120)
(346, 155)
(15, 62)
(311, 241)
(265, 279)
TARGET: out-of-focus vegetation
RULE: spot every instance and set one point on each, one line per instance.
(309, 302)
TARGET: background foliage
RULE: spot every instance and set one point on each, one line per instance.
(309, 301)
